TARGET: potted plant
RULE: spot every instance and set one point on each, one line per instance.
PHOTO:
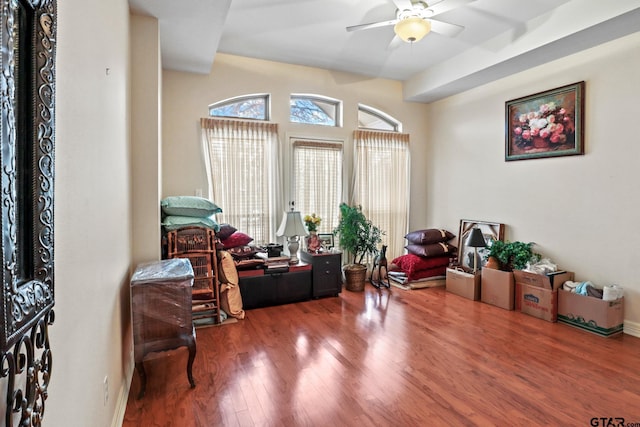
(358, 237)
(510, 255)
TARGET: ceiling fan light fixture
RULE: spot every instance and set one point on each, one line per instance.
(412, 29)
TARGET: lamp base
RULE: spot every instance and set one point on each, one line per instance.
(294, 245)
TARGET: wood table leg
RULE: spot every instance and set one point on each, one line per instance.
(192, 356)
(143, 379)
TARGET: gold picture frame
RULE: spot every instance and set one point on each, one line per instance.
(545, 124)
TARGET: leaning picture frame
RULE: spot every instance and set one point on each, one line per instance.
(326, 240)
(490, 231)
(545, 124)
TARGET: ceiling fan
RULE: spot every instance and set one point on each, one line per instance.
(414, 20)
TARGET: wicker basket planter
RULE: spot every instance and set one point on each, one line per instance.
(355, 277)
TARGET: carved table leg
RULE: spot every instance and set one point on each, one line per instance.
(143, 379)
(192, 356)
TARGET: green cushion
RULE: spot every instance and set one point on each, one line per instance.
(189, 206)
(173, 222)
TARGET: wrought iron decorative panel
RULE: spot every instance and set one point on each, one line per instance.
(27, 134)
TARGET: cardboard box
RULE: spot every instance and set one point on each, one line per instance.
(498, 288)
(464, 284)
(551, 281)
(604, 318)
(537, 301)
(537, 294)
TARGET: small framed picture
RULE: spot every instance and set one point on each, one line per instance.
(326, 240)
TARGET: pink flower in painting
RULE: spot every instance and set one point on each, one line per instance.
(548, 121)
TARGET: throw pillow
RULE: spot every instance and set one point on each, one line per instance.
(429, 235)
(236, 239)
(230, 297)
(411, 263)
(189, 206)
(227, 269)
(173, 222)
(431, 250)
(225, 231)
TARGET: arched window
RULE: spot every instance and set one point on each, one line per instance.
(315, 110)
(371, 118)
(254, 106)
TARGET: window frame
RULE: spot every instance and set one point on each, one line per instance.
(386, 118)
(243, 98)
(336, 103)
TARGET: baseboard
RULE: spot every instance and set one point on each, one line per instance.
(632, 328)
(123, 397)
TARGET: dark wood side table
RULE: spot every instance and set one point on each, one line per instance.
(327, 272)
(161, 312)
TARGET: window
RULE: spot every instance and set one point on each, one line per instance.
(381, 172)
(247, 182)
(371, 118)
(242, 164)
(317, 176)
(315, 110)
(257, 106)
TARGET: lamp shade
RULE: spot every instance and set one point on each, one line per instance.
(412, 29)
(476, 239)
(292, 225)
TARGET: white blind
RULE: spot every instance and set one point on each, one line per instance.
(242, 157)
(317, 177)
(381, 184)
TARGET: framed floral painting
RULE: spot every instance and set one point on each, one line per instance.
(546, 124)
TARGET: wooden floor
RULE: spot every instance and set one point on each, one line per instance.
(393, 358)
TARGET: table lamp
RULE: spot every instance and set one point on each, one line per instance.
(292, 227)
(475, 241)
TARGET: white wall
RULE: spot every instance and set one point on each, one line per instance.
(92, 214)
(186, 97)
(581, 211)
(146, 101)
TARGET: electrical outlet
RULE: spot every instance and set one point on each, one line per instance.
(198, 192)
(105, 389)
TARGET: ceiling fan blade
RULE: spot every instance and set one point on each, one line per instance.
(394, 43)
(446, 29)
(403, 4)
(371, 25)
(444, 6)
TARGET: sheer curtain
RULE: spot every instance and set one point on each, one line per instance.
(243, 173)
(381, 183)
(317, 176)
